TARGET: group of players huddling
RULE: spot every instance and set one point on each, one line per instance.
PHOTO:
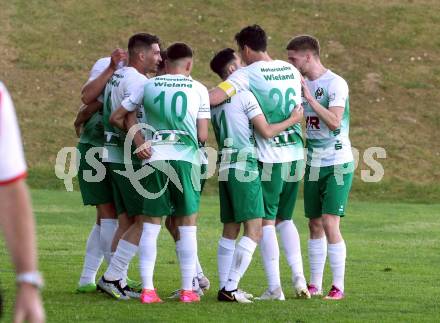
(256, 113)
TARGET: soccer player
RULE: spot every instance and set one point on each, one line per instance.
(16, 219)
(178, 109)
(143, 58)
(241, 198)
(329, 169)
(201, 283)
(89, 128)
(276, 85)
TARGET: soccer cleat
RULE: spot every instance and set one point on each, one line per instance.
(131, 292)
(334, 294)
(301, 289)
(133, 284)
(176, 294)
(88, 288)
(150, 296)
(196, 287)
(112, 288)
(246, 294)
(232, 296)
(204, 283)
(314, 291)
(276, 294)
(189, 296)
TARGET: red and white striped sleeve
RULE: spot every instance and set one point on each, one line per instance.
(12, 162)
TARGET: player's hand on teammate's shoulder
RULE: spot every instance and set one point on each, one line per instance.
(117, 56)
(297, 114)
(28, 306)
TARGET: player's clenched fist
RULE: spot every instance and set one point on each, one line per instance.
(144, 151)
(117, 56)
(297, 114)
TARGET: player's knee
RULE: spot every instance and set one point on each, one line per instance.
(316, 228)
(231, 230)
(330, 222)
(315, 225)
(255, 234)
(254, 231)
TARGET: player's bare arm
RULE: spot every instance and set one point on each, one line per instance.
(202, 130)
(91, 90)
(85, 112)
(117, 118)
(17, 222)
(143, 147)
(217, 96)
(331, 116)
(268, 130)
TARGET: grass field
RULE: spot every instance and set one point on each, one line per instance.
(392, 269)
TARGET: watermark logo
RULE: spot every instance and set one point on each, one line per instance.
(69, 161)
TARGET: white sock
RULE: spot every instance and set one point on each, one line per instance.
(225, 254)
(317, 255)
(108, 229)
(92, 259)
(120, 260)
(148, 253)
(292, 248)
(336, 255)
(186, 249)
(240, 262)
(199, 270)
(270, 253)
(195, 284)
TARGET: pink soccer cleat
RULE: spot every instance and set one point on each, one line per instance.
(189, 296)
(313, 290)
(149, 296)
(334, 294)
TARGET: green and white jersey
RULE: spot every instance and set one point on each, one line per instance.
(233, 130)
(173, 103)
(326, 147)
(277, 86)
(118, 90)
(93, 131)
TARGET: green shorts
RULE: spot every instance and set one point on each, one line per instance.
(280, 184)
(240, 201)
(127, 199)
(174, 189)
(326, 189)
(93, 193)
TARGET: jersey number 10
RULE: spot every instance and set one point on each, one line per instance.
(183, 101)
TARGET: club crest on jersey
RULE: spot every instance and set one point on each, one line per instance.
(319, 93)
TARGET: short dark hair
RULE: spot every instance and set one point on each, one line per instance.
(178, 51)
(163, 55)
(221, 60)
(252, 36)
(304, 42)
(141, 40)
